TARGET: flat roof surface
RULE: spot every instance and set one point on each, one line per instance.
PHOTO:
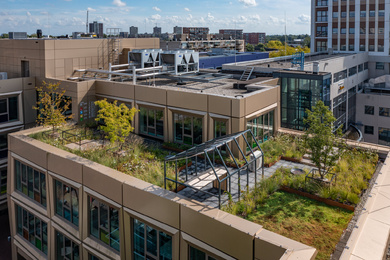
(222, 87)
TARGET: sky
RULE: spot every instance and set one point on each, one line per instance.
(60, 17)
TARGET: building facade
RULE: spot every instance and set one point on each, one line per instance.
(197, 33)
(157, 31)
(233, 33)
(254, 38)
(133, 32)
(96, 28)
(178, 30)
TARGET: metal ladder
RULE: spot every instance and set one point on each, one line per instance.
(247, 73)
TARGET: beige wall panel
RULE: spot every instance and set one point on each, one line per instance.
(49, 68)
(11, 85)
(66, 164)
(29, 100)
(144, 43)
(29, 148)
(115, 89)
(104, 180)
(217, 234)
(187, 100)
(238, 107)
(267, 251)
(220, 105)
(152, 201)
(150, 94)
(68, 66)
(261, 100)
(59, 63)
(28, 83)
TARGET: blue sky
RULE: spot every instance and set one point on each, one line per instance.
(58, 17)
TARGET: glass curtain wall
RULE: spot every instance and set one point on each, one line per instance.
(187, 129)
(151, 122)
(150, 243)
(299, 94)
(340, 110)
(352, 105)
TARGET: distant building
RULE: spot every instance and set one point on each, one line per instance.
(17, 35)
(96, 28)
(157, 31)
(124, 35)
(254, 38)
(232, 33)
(133, 32)
(178, 30)
(196, 33)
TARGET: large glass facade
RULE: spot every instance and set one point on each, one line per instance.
(66, 202)
(104, 223)
(262, 127)
(32, 228)
(187, 129)
(66, 249)
(352, 105)
(30, 182)
(299, 94)
(151, 122)
(340, 110)
(150, 243)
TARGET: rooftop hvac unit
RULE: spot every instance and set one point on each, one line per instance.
(145, 58)
(3, 75)
(180, 61)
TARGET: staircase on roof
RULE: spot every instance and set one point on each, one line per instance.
(247, 73)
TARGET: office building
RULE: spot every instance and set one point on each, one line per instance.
(196, 33)
(133, 32)
(157, 31)
(254, 38)
(17, 35)
(232, 33)
(96, 28)
(178, 30)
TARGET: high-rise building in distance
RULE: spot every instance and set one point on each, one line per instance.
(96, 28)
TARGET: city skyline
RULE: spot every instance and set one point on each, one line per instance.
(67, 16)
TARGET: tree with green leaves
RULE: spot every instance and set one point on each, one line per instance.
(51, 105)
(324, 144)
(116, 120)
(249, 47)
(260, 47)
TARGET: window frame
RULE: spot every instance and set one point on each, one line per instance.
(177, 118)
(367, 131)
(72, 246)
(384, 111)
(369, 110)
(63, 206)
(155, 120)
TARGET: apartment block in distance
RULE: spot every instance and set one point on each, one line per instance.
(254, 38)
(233, 33)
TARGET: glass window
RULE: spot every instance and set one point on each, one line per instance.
(31, 182)
(151, 122)
(351, 30)
(343, 30)
(219, 128)
(369, 110)
(8, 109)
(67, 202)
(196, 254)
(380, 65)
(343, 14)
(384, 136)
(322, 16)
(351, 14)
(335, 14)
(66, 249)
(150, 243)
(3, 181)
(360, 67)
(261, 127)
(372, 13)
(352, 71)
(335, 30)
(104, 223)
(92, 257)
(31, 228)
(362, 13)
(381, 13)
(369, 129)
(384, 111)
(187, 129)
(3, 146)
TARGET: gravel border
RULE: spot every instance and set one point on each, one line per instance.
(358, 210)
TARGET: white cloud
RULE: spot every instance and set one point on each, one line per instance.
(155, 8)
(118, 3)
(210, 17)
(248, 2)
(91, 9)
(28, 13)
(155, 17)
(187, 9)
(303, 19)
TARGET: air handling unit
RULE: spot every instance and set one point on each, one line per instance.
(145, 58)
(180, 61)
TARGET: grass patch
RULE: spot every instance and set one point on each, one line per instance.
(307, 221)
(138, 160)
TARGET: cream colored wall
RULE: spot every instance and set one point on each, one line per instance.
(188, 222)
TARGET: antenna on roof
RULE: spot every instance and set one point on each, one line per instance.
(285, 36)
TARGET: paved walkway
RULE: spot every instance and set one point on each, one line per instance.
(237, 180)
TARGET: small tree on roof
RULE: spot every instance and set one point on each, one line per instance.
(325, 146)
(51, 105)
(116, 119)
